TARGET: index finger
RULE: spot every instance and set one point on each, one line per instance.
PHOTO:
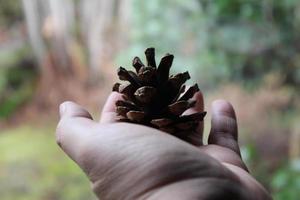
(196, 137)
(109, 114)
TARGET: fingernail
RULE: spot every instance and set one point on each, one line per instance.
(62, 109)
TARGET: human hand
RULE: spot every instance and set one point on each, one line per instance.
(127, 161)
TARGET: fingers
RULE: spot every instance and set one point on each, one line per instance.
(109, 114)
(199, 107)
(196, 138)
(224, 131)
(71, 130)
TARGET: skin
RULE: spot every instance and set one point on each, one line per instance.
(126, 161)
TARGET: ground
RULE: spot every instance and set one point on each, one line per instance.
(33, 167)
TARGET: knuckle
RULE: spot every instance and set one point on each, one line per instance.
(225, 124)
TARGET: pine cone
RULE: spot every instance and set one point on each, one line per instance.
(155, 99)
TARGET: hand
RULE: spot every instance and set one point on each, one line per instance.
(127, 161)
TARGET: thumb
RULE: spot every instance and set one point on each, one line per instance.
(69, 109)
(72, 128)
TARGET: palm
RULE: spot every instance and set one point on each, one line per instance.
(125, 161)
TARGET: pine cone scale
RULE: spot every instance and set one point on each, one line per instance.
(164, 67)
(150, 57)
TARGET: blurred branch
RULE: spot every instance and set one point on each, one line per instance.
(33, 24)
(295, 141)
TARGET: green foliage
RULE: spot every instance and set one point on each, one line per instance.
(286, 182)
(241, 40)
(17, 80)
(10, 11)
(32, 167)
(257, 37)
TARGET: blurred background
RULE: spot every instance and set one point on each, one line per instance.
(245, 51)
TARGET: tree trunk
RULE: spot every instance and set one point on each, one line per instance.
(51, 25)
